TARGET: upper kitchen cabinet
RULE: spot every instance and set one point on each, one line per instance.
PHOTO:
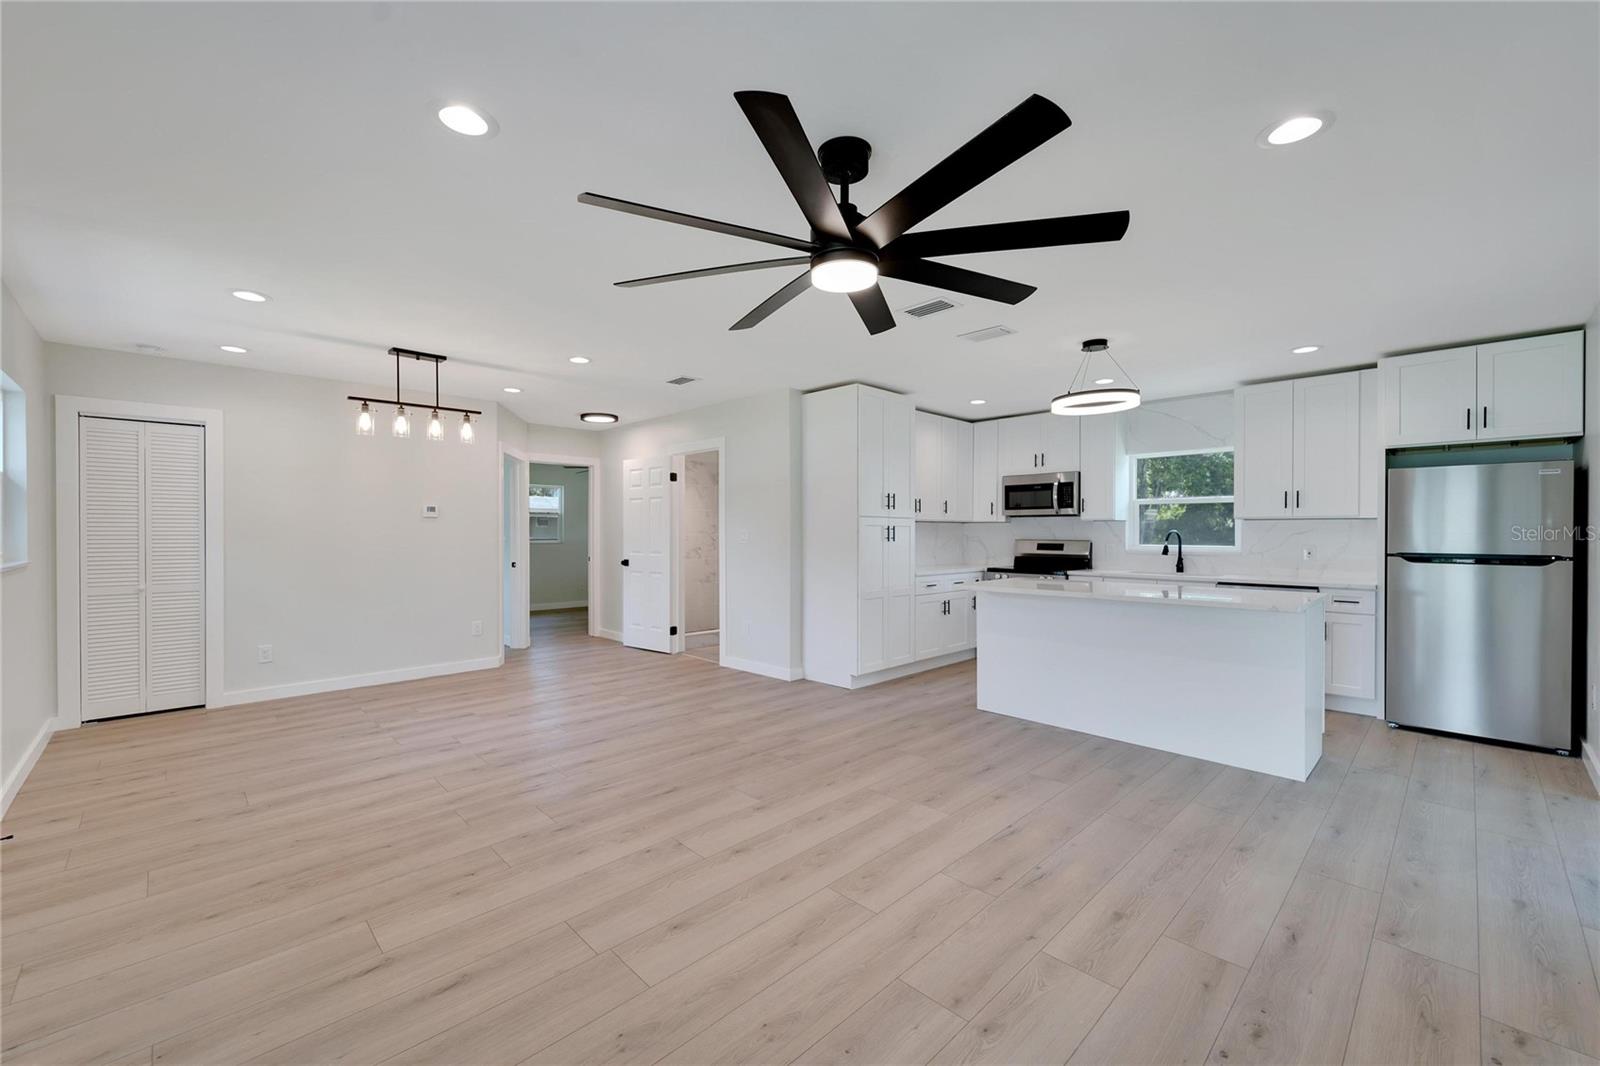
(1029, 443)
(944, 469)
(1298, 451)
(986, 473)
(1531, 387)
(1102, 466)
(1510, 390)
(883, 453)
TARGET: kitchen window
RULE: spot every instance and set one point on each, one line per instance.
(1191, 492)
(545, 504)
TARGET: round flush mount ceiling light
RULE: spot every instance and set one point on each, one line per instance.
(1306, 349)
(844, 270)
(233, 349)
(512, 389)
(248, 296)
(467, 121)
(581, 360)
(1295, 129)
(599, 418)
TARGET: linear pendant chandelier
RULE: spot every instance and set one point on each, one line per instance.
(401, 426)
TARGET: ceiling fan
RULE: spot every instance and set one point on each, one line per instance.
(847, 252)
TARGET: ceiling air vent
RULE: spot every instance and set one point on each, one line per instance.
(992, 333)
(929, 307)
(681, 380)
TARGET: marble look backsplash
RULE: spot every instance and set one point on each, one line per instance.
(1349, 548)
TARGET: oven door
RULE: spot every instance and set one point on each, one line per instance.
(1029, 494)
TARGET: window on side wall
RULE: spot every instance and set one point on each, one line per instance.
(1191, 492)
(545, 511)
(14, 462)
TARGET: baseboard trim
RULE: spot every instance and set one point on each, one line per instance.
(338, 684)
(1591, 763)
(705, 638)
(561, 605)
(1353, 705)
(20, 774)
(609, 634)
(751, 666)
(916, 667)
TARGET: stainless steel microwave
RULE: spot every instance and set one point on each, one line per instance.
(1040, 494)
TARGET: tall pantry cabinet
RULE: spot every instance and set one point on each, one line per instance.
(859, 533)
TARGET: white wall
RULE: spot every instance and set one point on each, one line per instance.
(1590, 450)
(698, 544)
(27, 594)
(534, 439)
(558, 574)
(761, 486)
(1347, 548)
(327, 556)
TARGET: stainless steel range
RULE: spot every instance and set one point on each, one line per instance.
(1046, 558)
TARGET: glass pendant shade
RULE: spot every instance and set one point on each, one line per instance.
(435, 427)
(467, 432)
(364, 421)
(402, 422)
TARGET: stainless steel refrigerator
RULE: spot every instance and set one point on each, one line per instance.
(1479, 634)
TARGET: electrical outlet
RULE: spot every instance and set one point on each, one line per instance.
(477, 629)
(263, 653)
(1306, 554)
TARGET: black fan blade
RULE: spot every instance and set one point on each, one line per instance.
(956, 279)
(1018, 132)
(779, 129)
(873, 309)
(775, 301)
(630, 208)
(711, 272)
(1007, 236)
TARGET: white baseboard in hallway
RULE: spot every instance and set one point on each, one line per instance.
(338, 684)
(35, 749)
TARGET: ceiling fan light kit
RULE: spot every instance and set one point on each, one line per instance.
(847, 252)
(1105, 397)
(401, 426)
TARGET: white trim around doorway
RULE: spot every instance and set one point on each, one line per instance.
(519, 545)
(69, 650)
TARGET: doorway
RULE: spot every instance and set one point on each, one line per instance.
(699, 555)
(558, 546)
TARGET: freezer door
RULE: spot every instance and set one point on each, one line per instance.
(1481, 650)
(1492, 509)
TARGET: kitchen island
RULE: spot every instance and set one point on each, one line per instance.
(1232, 675)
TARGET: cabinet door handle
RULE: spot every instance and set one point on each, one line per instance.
(1285, 499)
(1469, 418)
(1484, 422)
(1296, 499)
(947, 507)
(991, 508)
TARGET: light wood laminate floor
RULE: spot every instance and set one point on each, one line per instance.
(595, 854)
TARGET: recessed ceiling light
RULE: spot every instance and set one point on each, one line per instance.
(977, 403)
(1294, 129)
(1306, 349)
(1104, 381)
(579, 359)
(511, 389)
(598, 417)
(249, 297)
(464, 120)
(233, 348)
(149, 349)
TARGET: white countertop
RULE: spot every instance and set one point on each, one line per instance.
(1189, 595)
(941, 571)
(1325, 581)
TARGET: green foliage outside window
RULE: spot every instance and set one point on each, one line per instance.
(1192, 493)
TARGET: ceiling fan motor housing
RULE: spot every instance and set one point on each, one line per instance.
(844, 159)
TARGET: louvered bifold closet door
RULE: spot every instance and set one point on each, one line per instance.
(142, 511)
(174, 573)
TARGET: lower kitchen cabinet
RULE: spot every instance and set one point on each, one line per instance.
(1352, 645)
(945, 622)
(886, 631)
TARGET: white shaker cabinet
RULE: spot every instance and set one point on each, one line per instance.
(957, 470)
(1019, 445)
(859, 535)
(1532, 387)
(1059, 442)
(944, 469)
(1351, 667)
(930, 465)
(1103, 474)
(1521, 389)
(1298, 452)
(986, 472)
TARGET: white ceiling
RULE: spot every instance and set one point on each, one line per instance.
(157, 156)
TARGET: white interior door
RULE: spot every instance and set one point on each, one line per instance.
(647, 554)
(142, 566)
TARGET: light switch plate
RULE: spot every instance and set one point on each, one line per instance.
(477, 629)
(263, 653)
(430, 510)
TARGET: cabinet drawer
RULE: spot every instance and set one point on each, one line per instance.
(945, 582)
(1351, 601)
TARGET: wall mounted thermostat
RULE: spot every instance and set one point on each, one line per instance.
(430, 510)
